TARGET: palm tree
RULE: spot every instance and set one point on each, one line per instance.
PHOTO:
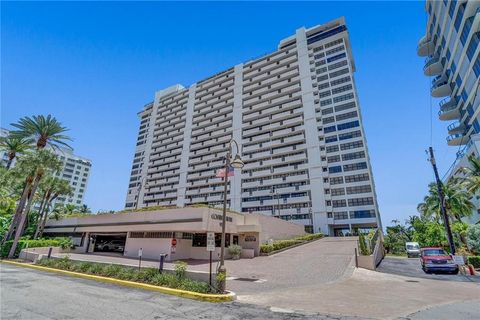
(56, 187)
(43, 162)
(45, 130)
(457, 202)
(13, 146)
(84, 209)
(471, 179)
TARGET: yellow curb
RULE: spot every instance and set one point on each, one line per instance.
(176, 292)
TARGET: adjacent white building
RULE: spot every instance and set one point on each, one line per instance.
(452, 61)
(76, 170)
(296, 117)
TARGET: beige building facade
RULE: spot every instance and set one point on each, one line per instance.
(154, 232)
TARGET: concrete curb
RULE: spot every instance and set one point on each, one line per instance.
(176, 292)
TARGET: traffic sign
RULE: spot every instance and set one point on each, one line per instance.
(210, 241)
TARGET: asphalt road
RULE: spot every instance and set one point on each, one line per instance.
(29, 294)
(410, 267)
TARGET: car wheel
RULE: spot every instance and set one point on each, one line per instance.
(455, 272)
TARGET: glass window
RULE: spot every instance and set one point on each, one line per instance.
(458, 19)
(472, 47)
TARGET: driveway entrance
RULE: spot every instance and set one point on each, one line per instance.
(107, 242)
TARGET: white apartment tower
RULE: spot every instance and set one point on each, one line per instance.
(451, 48)
(296, 117)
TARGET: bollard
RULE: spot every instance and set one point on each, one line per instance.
(356, 258)
(49, 252)
(162, 259)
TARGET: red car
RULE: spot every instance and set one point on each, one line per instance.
(435, 259)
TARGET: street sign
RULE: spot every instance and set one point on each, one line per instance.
(140, 252)
(459, 260)
(210, 241)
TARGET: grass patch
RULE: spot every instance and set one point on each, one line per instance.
(145, 275)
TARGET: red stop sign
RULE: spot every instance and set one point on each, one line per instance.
(174, 242)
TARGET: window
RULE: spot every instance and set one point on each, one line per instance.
(339, 203)
(329, 129)
(334, 50)
(325, 102)
(328, 120)
(325, 34)
(359, 189)
(350, 135)
(340, 215)
(355, 166)
(362, 214)
(346, 116)
(342, 89)
(333, 159)
(340, 81)
(333, 43)
(451, 10)
(351, 145)
(466, 30)
(331, 139)
(337, 192)
(472, 47)
(324, 94)
(348, 125)
(360, 202)
(332, 149)
(337, 65)
(458, 19)
(344, 97)
(345, 106)
(336, 180)
(335, 169)
(357, 178)
(337, 57)
(353, 155)
(327, 111)
(339, 72)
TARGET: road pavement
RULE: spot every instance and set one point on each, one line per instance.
(410, 267)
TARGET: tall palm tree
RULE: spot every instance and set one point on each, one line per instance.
(57, 187)
(43, 163)
(471, 179)
(45, 130)
(457, 202)
(13, 146)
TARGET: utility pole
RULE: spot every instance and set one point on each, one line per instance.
(442, 202)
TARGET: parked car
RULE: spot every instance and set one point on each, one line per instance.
(437, 260)
(113, 245)
(413, 249)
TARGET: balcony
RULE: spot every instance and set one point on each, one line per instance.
(425, 46)
(449, 109)
(457, 140)
(433, 66)
(440, 87)
(456, 128)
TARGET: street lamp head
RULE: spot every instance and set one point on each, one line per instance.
(237, 163)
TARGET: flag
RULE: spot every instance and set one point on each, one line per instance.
(221, 172)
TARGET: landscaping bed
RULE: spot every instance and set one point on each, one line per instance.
(145, 275)
(280, 245)
(63, 243)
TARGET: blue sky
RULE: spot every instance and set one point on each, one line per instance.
(94, 65)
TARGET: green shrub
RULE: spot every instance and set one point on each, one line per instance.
(266, 248)
(22, 244)
(147, 275)
(474, 260)
(180, 269)
(310, 237)
(235, 250)
(280, 244)
(364, 251)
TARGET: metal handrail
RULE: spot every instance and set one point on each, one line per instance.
(429, 61)
(454, 136)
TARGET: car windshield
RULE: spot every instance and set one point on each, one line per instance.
(412, 246)
(434, 252)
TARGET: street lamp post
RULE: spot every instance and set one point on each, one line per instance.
(235, 163)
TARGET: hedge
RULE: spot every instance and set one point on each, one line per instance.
(281, 244)
(474, 260)
(22, 244)
(145, 275)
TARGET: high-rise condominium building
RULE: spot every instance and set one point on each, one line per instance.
(452, 61)
(75, 169)
(296, 118)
